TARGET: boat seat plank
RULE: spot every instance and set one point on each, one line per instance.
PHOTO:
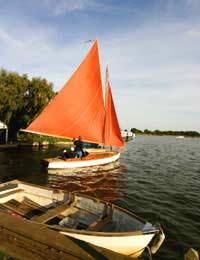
(33, 204)
(22, 208)
(7, 187)
(6, 194)
(51, 213)
(66, 208)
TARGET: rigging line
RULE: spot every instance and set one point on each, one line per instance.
(149, 251)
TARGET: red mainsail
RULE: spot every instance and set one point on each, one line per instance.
(78, 109)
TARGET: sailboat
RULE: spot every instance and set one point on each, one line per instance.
(79, 110)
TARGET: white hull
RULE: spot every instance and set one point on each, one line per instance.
(132, 246)
(57, 163)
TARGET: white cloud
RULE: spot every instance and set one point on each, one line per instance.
(193, 33)
(7, 39)
(37, 54)
(194, 4)
(64, 6)
(165, 109)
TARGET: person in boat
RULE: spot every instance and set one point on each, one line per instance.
(68, 153)
(79, 153)
(64, 153)
(127, 136)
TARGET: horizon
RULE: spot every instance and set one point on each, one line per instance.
(151, 47)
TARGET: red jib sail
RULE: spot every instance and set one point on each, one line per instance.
(112, 134)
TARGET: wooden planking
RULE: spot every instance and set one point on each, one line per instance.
(51, 213)
(23, 209)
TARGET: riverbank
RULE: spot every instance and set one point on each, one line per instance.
(11, 146)
(8, 146)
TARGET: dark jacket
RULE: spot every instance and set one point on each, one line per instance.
(78, 145)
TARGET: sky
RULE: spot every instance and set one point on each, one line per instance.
(152, 48)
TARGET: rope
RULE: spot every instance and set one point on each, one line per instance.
(149, 251)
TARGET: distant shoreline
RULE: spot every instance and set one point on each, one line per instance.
(165, 135)
(157, 132)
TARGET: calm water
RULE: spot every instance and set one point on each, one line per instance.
(159, 179)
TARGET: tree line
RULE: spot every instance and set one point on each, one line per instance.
(22, 99)
(161, 133)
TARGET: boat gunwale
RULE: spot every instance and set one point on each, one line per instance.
(94, 199)
(103, 234)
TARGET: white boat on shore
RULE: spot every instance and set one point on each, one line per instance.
(127, 135)
(82, 217)
(79, 109)
(180, 137)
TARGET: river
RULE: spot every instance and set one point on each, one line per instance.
(158, 179)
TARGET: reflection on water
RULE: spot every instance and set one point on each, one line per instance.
(108, 185)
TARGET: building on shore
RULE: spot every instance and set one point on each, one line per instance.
(3, 133)
(127, 135)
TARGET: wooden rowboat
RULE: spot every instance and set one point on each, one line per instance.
(81, 217)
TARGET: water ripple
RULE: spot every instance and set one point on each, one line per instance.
(158, 179)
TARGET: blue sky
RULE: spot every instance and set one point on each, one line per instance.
(152, 48)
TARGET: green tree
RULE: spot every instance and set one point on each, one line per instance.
(146, 131)
(21, 99)
(37, 95)
(157, 132)
(136, 131)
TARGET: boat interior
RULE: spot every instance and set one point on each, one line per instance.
(65, 210)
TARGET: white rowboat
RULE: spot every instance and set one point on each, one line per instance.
(82, 217)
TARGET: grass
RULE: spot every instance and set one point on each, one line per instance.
(28, 137)
(6, 257)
